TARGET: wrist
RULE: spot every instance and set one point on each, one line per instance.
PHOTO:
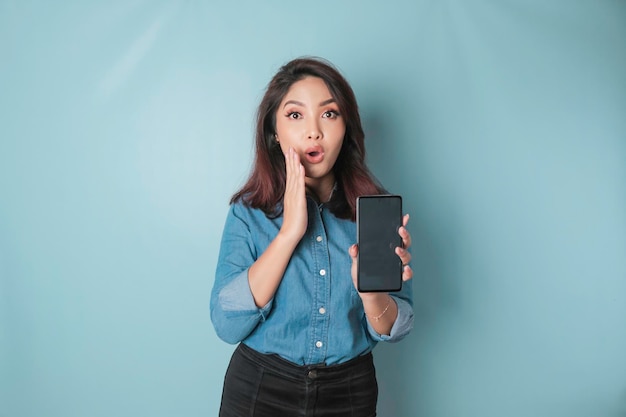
(288, 239)
(378, 307)
(382, 313)
(369, 298)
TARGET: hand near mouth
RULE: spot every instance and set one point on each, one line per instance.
(294, 202)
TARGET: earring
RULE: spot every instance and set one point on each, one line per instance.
(276, 138)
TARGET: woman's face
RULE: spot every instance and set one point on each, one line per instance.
(308, 121)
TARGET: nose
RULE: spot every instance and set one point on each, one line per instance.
(313, 131)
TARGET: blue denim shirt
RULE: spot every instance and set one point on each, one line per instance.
(316, 315)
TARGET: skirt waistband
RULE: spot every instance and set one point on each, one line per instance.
(275, 363)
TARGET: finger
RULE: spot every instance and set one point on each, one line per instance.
(294, 170)
(406, 237)
(353, 251)
(288, 165)
(404, 233)
(407, 273)
(294, 162)
(405, 255)
(299, 167)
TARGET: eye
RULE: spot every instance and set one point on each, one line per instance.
(330, 114)
(294, 115)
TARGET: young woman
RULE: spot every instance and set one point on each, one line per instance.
(285, 283)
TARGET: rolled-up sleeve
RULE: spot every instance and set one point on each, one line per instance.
(404, 322)
(233, 311)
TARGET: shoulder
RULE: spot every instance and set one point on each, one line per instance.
(245, 211)
(241, 209)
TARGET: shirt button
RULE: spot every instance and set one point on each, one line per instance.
(319, 238)
(318, 344)
(322, 310)
(322, 272)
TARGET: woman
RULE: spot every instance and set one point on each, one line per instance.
(285, 283)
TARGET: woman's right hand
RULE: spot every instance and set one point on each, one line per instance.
(266, 273)
(295, 217)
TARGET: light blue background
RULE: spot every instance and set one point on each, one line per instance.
(125, 126)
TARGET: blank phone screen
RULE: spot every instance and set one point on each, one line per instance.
(378, 220)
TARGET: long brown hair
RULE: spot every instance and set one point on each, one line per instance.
(265, 187)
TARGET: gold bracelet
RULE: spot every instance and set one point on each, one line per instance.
(384, 311)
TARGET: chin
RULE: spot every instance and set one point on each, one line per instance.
(316, 173)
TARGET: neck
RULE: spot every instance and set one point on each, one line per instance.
(322, 188)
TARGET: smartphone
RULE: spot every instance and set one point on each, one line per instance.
(378, 219)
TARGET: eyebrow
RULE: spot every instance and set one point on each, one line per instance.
(299, 103)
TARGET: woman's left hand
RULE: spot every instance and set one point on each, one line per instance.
(402, 252)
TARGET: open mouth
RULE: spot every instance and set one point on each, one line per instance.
(314, 155)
